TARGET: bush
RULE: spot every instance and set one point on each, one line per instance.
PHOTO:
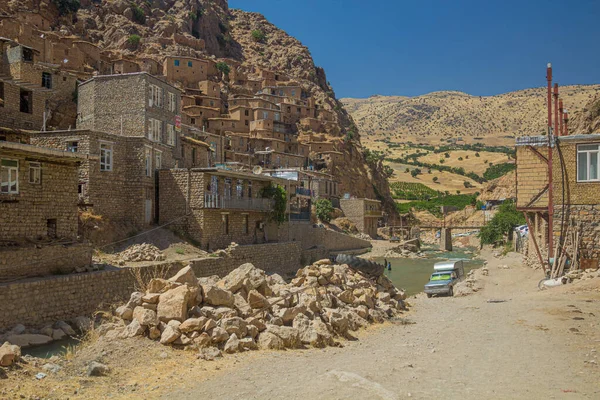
(223, 67)
(498, 170)
(138, 14)
(435, 179)
(258, 35)
(279, 197)
(324, 210)
(447, 155)
(503, 222)
(467, 184)
(476, 154)
(460, 158)
(415, 172)
(66, 7)
(134, 40)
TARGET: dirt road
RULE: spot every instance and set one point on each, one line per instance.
(524, 344)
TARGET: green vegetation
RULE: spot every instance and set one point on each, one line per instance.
(138, 14)
(435, 179)
(505, 220)
(223, 67)
(258, 35)
(412, 191)
(498, 170)
(134, 40)
(180, 251)
(411, 160)
(324, 210)
(434, 204)
(66, 7)
(415, 172)
(279, 197)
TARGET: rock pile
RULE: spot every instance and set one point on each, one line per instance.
(247, 309)
(141, 252)
(581, 274)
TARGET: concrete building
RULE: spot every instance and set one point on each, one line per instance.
(38, 212)
(365, 213)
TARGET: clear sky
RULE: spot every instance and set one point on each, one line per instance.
(408, 48)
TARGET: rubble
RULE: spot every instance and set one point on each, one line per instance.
(141, 252)
(247, 309)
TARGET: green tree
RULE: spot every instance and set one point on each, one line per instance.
(435, 179)
(223, 68)
(476, 154)
(258, 35)
(447, 155)
(138, 14)
(279, 197)
(503, 222)
(134, 40)
(324, 210)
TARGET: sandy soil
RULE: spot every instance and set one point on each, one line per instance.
(509, 340)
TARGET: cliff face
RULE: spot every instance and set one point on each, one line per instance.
(208, 28)
(587, 120)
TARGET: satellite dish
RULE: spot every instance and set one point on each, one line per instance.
(257, 170)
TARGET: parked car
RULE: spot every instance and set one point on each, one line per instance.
(445, 275)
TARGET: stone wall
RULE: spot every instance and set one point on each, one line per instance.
(10, 113)
(42, 261)
(589, 217)
(34, 303)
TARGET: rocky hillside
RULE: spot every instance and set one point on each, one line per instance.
(588, 119)
(178, 27)
(452, 114)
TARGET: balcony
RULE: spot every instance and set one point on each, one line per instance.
(373, 213)
(300, 216)
(216, 201)
(304, 192)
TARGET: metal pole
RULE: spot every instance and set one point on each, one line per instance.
(561, 117)
(550, 190)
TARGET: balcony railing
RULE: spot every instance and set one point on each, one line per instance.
(232, 203)
(373, 213)
(303, 191)
(300, 216)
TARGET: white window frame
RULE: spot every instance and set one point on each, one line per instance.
(148, 160)
(155, 130)
(588, 153)
(108, 150)
(265, 115)
(172, 103)
(157, 159)
(156, 96)
(35, 168)
(171, 134)
(11, 170)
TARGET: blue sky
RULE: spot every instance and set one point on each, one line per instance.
(408, 48)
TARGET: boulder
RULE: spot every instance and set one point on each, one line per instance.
(241, 305)
(203, 340)
(185, 276)
(193, 324)
(9, 354)
(288, 314)
(312, 333)
(145, 317)
(66, 328)
(384, 297)
(270, 341)
(324, 261)
(58, 334)
(150, 306)
(124, 312)
(235, 325)
(327, 272)
(173, 303)
(28, 339)
(209, 353)
(151, 298)
(97, 369)
(216, 296)
(252, 331)
(234, 281)
(346, 296)
(377, 316)
(219, 335)
(169, 335)
(133, 329)
(232, 345)
(257, 300)
(154, 333)
(134, 300)
(289, 336)
(17, 329)
(257, 322)
(182, 340)
(83, 324)
(248, 343)
(366, 300)
(210, 324)
(158, 285)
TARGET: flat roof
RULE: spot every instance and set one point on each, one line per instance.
(127, 75)
(569, 138)
(42, 152)
(233, 174)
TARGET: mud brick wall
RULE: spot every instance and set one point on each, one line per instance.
(36, 302)
(26, 214)
(48, 260)
(532, 177)
(10, 114)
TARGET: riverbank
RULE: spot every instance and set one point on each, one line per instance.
(508, 340)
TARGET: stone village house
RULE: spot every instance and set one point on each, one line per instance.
(365, 213)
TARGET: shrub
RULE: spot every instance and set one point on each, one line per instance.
(435, 179)
(407, 170)
(476, 154)
(460, 158)
(279, 197)
(467, 184)
(415, 172)
(134, 40)
(258, 35)
(223, 67)
(498, 170)
(447, 155)
(138, 14)
(67, 6)
(503, 222)
(324, 210)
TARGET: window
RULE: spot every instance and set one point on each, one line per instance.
(27, 55)
(1, 94)
(246, 227)
(246, 113)
(156, 96)
(176, 63)
(35, 173)
(51, 226)
(154, 130)
(225, 218)
(227, 192)
(172, 103)
(158, 160)
(72, 147)
(170, 135)
(265, 115)
(587, 162)
(106, 157)
(276, 116)
(9, 176)
(239, 189)
(212, 103)
(241, 141)
(246, 122)
(148, 160)
(46, 80)
(189, 63)
(250, 189)
(293, 92)
(193, 121)
(26, 101)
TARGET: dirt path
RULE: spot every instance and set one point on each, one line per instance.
(528, 346)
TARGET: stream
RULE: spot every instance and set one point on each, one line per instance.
(411, 274)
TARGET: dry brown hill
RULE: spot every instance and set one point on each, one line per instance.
(456, 114)
(587, 120)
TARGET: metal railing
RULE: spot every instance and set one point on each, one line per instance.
(303, 191)
(253, 204)
(300, 216)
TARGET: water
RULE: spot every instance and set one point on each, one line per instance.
(413, 274)
(56, 348)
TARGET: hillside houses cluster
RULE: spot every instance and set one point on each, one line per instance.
(152, 142)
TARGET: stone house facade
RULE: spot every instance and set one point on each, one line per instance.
(188, 71)
(365, 213)
(117, 178)
(38, 211)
